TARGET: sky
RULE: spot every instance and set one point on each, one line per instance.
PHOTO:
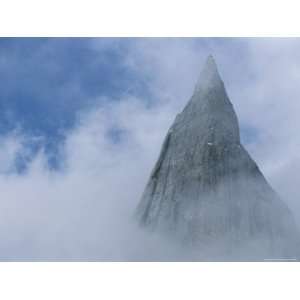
(82, 121)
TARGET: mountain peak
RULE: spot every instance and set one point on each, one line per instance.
(209, 76)
(210, 62)
(209, 109)
(206, 190)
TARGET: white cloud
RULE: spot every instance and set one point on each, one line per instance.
(86, 211)
(9, 147)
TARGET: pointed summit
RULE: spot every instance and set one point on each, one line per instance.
(209, 77)
(205, 190)
(209, 109)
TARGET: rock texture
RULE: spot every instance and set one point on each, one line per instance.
(205, 190)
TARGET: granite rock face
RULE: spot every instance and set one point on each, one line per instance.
(205, 190)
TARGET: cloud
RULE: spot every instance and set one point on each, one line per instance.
(271, 105)
(85, 212)
(10, 146)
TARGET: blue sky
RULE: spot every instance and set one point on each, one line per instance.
(82, 122)
(46, 82)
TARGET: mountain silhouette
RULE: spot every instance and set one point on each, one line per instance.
(205, 190)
